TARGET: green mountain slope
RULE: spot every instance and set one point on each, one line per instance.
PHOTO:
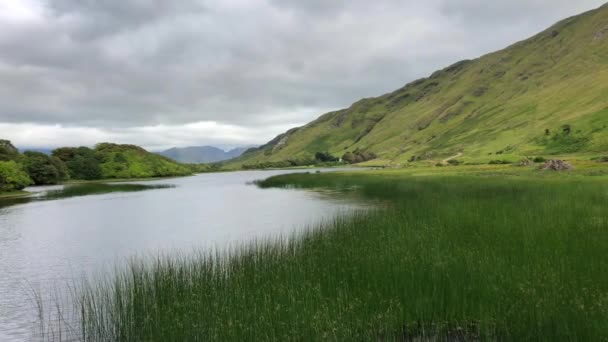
(545, 95)
(110, 161)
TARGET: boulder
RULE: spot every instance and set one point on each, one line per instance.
(556, 165)
(525, 162)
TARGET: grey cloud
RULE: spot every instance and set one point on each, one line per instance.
(484, 12)
(135, 63)
(98, 18)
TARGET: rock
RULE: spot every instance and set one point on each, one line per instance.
(556, 165)
(525, 162)
(599, 35)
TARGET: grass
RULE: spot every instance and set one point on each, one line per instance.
(98, 189)
(121, 180)
(76, 190)
(13, 194)
(508, 104)
(440, 257)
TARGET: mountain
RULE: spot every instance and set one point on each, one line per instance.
(542, 96)
(47, 151)
(202, 154)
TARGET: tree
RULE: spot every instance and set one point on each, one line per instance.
(8, 151)
(82, 162)
(325, 157)
(62, 169)
(42, 169)
(12, 176)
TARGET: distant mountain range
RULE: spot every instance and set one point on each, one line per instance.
(47, 151)
(202, 154)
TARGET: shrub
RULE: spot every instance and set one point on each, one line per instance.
(358, 156)
(325, 157)
(539, 160)
(43, 169)
(525, 162)
(603, 159)
(8, 151)
(454, 162)
(12, 176)
(499, 162)
(82, 162)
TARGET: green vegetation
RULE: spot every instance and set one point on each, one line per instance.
(476, 257)
(499, 162)
(109, 161)
(320, 159)
(106, 161)
(547, 95)
(98, 189)
(43, 169)
(74, 190)
(325, 157)
(358, 156)
(279, 164)
(129, 161)
(12, 177)
(81, 162)
(13, 194)
(8, 151)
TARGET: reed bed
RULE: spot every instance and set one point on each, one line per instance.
(444, 258)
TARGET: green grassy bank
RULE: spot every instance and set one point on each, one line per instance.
(13, 194)
(441, 257)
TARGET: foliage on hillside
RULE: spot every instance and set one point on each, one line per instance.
(105, 161)
(44, 169)
(111, 161)
(129, 161)
(12, 176)
(514, 103)
(8, 151)
(81, 162)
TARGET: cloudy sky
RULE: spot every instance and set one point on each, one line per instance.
(163, 73)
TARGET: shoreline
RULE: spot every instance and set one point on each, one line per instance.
(15, 194)
(122, 180)
(25, 194)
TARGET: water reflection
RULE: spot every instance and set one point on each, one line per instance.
(62, 234)
(60, 191)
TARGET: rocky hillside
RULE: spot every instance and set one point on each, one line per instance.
(542, 96)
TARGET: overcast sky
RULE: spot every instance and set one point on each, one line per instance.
(163, 73)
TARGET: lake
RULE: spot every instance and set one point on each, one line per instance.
(47, 245)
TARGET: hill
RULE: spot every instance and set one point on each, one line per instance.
(105, 161)
(110, 161)
(47, 151)
(547, 95)
(202, 154)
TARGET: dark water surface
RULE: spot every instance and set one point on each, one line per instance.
(47, 243)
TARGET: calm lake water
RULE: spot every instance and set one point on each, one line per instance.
(46, 245)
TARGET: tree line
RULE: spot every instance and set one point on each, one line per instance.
(105, 161)
(320, 159)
